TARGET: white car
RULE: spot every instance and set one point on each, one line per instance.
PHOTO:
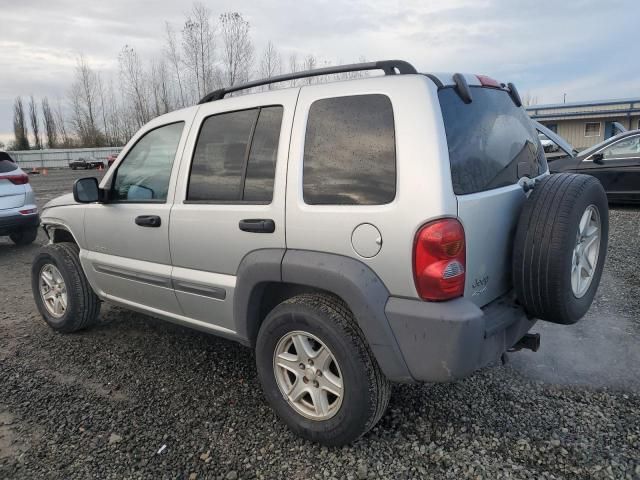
(18, 210)
(548, 145)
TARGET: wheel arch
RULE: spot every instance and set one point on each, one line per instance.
(59, 233)
(267, 277)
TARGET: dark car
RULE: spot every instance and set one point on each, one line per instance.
(85, 163)
(615, 162)
(111, 159)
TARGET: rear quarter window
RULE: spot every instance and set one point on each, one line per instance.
(492, 143)
(349, 152)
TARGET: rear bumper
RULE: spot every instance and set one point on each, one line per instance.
(15, 223)
(446, 341)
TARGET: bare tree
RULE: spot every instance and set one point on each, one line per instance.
(160, 87)
(271, 62)
(84, 99)
(310, 63)
(237, 49)
(173, 56)
(529, 99)
(20, 126)
(293, 67)
(61, 123)
(50, 128)
(134, 84)
(34, 119)
(198, 44)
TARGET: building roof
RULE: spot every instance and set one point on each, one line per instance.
(587, 103)
(624, 107)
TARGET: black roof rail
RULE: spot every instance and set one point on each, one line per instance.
(389, 67)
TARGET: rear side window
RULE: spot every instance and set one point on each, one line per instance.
(492, 143)
(235, 157)
(349, 152)
(6, 163)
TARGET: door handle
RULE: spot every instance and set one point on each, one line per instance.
(148, 221)
(257, 225)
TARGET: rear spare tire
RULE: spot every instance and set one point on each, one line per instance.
(560, 247)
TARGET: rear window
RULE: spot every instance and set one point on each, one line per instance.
(6, 163)
(492, 143)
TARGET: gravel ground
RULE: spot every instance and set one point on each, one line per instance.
(139, 398)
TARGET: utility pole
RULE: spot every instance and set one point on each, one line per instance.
(564, 98)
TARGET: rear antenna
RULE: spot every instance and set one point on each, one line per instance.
(462, 88)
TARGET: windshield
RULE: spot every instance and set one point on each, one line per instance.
(492, 143)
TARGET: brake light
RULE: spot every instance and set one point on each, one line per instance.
(488, 81)
(19, 179)
(28, 211)
(439, 260)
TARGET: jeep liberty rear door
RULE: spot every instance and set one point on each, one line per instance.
(230, 199)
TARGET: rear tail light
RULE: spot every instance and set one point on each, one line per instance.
(439, 260)
(28, 211)
(19, 179)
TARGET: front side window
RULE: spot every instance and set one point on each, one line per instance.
(627, 148)
(144, 173)
(349, 151)
(235, 157)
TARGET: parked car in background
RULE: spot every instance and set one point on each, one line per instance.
(615, 162)
(111, 159)
(85, 163)
(548, 145)
(18, 211)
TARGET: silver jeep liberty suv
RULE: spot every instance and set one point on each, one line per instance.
(393, 228)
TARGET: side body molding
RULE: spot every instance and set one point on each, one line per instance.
(362, 290)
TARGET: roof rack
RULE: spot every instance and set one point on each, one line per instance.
(389, 67)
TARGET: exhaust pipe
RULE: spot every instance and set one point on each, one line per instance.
(531, 341)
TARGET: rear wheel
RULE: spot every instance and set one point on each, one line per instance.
(60, 289)
(560, 247)
(24, 237)
(318, 372)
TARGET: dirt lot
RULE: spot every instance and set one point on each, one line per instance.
(139, 398)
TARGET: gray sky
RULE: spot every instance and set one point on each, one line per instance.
(585, 48)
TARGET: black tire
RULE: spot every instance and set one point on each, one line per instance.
(83, 306)
(366, 389)
(544, 246)
(24, 237)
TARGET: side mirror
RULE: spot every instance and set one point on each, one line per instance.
(86, 190)
(598, 158)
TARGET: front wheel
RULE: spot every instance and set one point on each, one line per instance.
(60, 289)
(318, 372)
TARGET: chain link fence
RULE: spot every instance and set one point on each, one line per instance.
(60, 157)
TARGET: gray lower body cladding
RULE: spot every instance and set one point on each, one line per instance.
(411, 340)
(442, 342)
